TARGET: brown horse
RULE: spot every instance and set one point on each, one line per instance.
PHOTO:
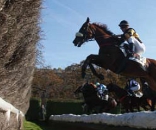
(129, 102)
(110, 55)
(92, 101)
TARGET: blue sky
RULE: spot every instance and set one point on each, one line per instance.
(61, 19)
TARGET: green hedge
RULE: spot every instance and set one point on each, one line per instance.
(34, 110)
(57, 107)
(67, 107)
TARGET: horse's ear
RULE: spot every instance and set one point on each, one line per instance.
(87, 21)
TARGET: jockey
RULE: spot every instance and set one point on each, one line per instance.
(132, 86)
(102, 91)
(135, 45)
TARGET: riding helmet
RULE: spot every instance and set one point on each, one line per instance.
(124, 23)
(97, 83)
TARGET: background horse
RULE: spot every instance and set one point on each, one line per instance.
(110, 55)
(149, 93)
(128, 102)
(93, 101)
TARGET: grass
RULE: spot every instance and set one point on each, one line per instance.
(31, 126)
(39, 125)
(72, 126)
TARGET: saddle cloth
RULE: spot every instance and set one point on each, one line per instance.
(140, 60)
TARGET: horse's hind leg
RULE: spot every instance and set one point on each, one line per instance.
(153, 104)
(131, 109)
(138, 107)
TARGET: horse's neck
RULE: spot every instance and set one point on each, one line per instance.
(102, 38)
(89, 93)
(100, 35)
(120, 91)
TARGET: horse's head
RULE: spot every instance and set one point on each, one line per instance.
(96, 31)
(84, 88)
(85, 34)
(88, 88)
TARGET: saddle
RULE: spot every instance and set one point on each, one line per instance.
(140, 60)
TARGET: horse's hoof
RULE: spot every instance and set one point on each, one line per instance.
(101, 76)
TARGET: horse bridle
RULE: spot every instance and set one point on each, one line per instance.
(85, 34)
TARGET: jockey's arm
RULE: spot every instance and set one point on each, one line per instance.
(120, 39)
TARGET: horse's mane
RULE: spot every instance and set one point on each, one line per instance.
(104, 28)
(115, 86)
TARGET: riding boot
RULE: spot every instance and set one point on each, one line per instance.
(131, 49)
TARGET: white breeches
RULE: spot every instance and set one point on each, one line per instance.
(135, 88)
(139, 47)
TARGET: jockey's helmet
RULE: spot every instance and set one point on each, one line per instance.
(97, 83)
(124, 23)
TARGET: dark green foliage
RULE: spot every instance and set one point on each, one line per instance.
(34, 110)
(58, 107)
(68, 107)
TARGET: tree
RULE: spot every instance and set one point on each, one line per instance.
(45, 79)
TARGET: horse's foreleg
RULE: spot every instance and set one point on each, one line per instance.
(100, 76)
(83, 71)
(84, 67)
(153, 104)
(138, 107)
(86, 63)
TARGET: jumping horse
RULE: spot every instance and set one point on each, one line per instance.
(110, 55)
(92, 101)
(129, 102)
